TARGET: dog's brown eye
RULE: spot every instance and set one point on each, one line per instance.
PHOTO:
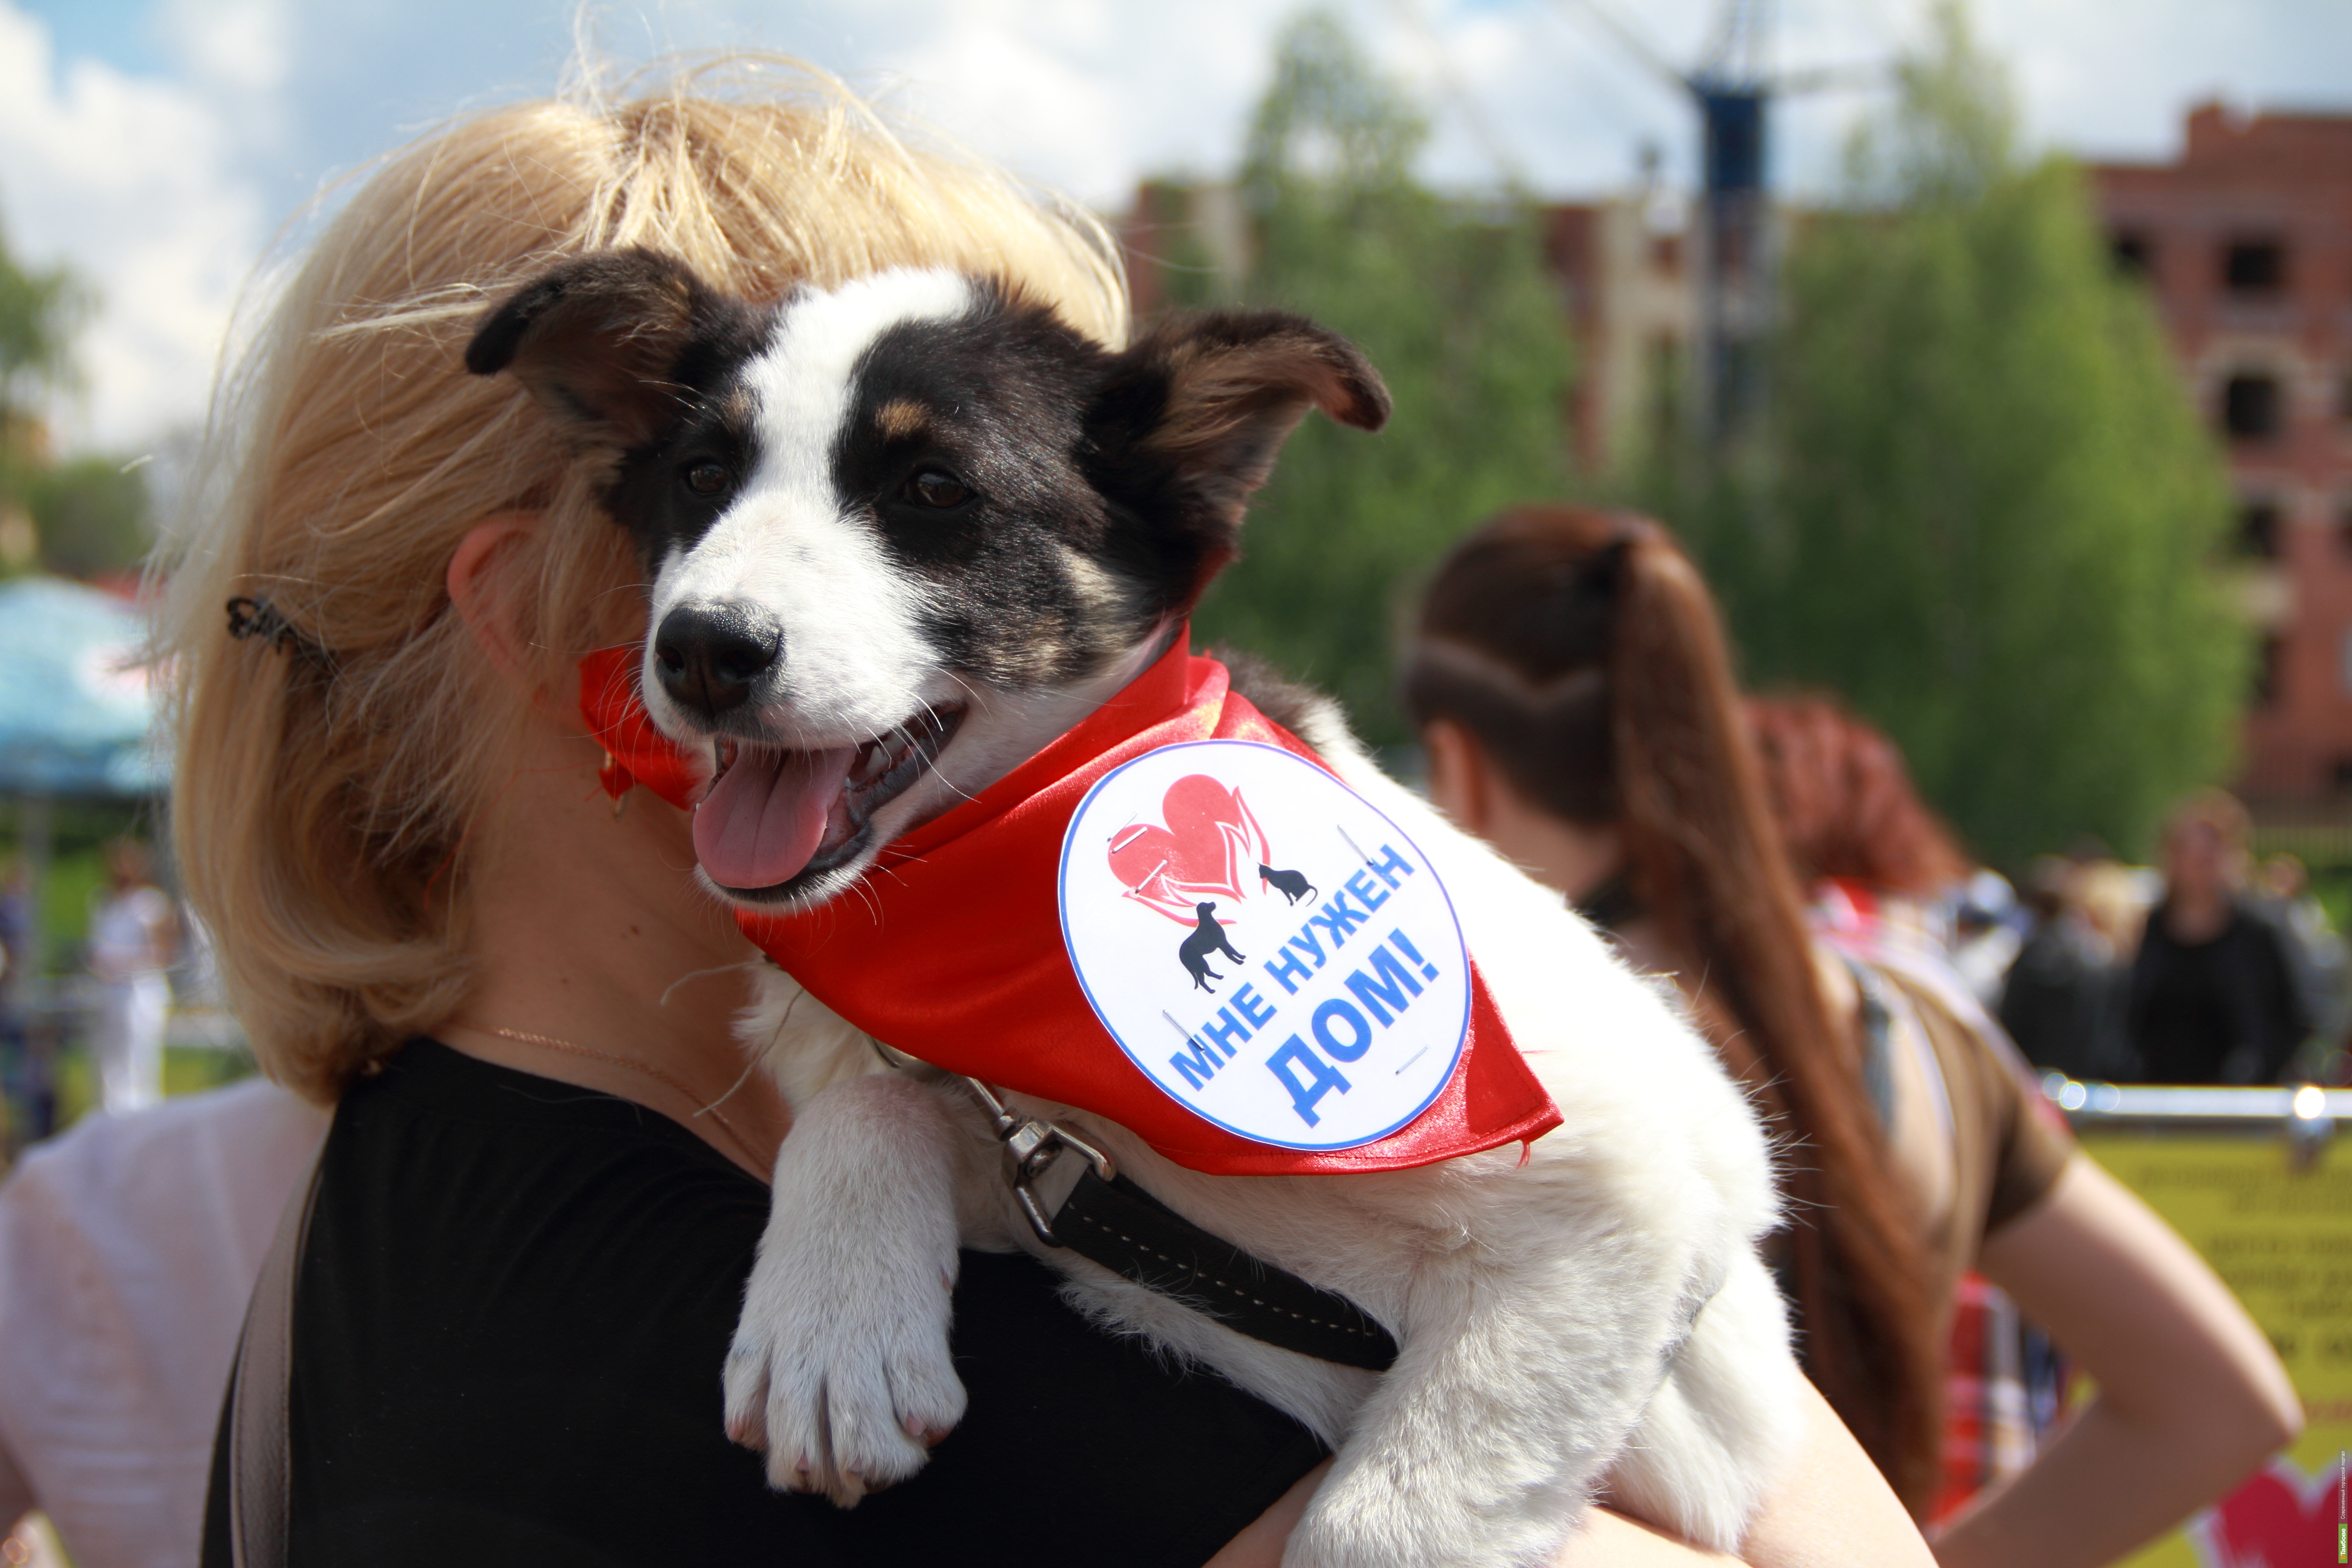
(707, 478)
(933, 487)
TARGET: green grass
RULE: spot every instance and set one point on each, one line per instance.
(79, 834)
(67, 892)
(186, 1070)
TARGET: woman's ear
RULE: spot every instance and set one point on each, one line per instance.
(1457, 776)
(480, 586)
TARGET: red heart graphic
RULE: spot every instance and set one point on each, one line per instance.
(1210, 838)
(2277, 1520)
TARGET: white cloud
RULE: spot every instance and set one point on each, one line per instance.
(1085, 96)
(132, 181)
(241, 46)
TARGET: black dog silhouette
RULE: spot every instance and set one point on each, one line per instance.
(1207, 937)
(1291, 885)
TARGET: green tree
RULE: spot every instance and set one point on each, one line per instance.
(1983, 508)
(1455, 305)
(92, 515)
(38, 312)
(87, 515)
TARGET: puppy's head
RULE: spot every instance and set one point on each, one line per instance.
(902, 532)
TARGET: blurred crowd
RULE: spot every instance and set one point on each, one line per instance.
(115, 1000)
(2214, 969)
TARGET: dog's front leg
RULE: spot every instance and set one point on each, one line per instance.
(840, 1369)
(1513, 1391)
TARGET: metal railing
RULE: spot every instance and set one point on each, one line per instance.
(2305, 1114)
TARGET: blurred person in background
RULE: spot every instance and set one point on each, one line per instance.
(2218, 993)
(2062, 999)
(21, 1120)
(128, 1249)
(134, 938)
(2112, 899)
(1574, 693)
(2285, 882)
(1987, 925)
(1880, 869)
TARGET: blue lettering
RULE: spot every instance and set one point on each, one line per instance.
(1253, 1006)
(1372, 994)
(1395, 862)
(1198, 1065)
(1339, 920)
(1322, 1078)
(1287, 969)
(1228, 1034)
(1326, 1015)
(1309, 943)
(1428, 970)
(1361, 886)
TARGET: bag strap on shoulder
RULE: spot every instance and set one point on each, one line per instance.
(258, 1454)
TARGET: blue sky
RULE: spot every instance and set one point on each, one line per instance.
(156, 145)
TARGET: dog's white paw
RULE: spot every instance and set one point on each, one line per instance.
(844, 1390)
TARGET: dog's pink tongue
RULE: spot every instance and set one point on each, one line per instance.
(764, 818)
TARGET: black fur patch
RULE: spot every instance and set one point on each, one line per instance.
(1002, 389)
(653, 493)
(636, 356)
(1293, 704)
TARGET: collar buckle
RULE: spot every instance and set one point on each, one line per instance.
(1033, 1145)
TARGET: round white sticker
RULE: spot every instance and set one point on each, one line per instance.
(1270, 949)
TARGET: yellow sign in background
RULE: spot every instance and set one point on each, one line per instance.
(2280, 1237)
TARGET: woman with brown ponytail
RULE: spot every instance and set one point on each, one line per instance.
(1571, 684)
(2191, 1398)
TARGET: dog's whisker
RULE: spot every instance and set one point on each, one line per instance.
(693, 974)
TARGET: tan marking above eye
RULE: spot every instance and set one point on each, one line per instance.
(901, 417)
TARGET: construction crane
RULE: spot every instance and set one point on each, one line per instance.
(1737, 258)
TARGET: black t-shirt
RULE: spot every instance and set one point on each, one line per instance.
(512, 1317)
(2228, 1009)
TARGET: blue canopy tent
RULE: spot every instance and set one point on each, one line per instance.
(77, 721)
(76, 711)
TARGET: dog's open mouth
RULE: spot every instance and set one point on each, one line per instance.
(775, 818)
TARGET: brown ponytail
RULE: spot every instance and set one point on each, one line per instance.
(1584, 651)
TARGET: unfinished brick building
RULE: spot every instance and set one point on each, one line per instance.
(2246, 241)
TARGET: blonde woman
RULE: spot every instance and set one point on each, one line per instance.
(544, 1184)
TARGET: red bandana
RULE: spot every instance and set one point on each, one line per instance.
(951, 950)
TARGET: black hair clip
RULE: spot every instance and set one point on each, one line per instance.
(257, 618)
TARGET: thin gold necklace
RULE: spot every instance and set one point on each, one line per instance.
(743, 1145)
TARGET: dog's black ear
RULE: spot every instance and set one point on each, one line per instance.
(610, 344)
(1187, 422)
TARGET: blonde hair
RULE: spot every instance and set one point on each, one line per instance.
(327, 780)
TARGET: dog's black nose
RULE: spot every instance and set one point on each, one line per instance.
(710, 657)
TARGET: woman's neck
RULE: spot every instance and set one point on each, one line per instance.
(591, 932)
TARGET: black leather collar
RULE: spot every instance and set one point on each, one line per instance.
(1111, 1221)
(1127, 1230)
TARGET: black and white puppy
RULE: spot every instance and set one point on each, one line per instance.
(900, 535)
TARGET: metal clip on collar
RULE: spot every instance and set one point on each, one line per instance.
(1030, 1146)
(1115, 1224)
